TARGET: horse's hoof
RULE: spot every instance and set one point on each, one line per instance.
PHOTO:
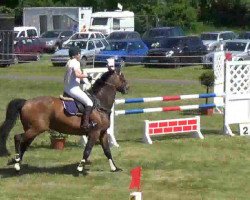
(117, 170)
(80, 168)
(17, 167)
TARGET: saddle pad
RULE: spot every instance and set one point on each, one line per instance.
(70, 107)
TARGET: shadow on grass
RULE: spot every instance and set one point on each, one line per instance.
(69, 169)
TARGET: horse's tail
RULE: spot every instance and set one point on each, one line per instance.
(13, 110)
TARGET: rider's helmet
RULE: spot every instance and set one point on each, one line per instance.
(74, 51)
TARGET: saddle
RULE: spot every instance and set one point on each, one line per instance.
(73, 106)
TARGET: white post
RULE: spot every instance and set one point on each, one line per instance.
(146, 137)
(135, 196)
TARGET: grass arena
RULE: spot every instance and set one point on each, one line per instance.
(173, 167)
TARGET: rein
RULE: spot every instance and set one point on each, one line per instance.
(109, 84)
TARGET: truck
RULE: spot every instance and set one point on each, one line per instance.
(109, 21)
(57, 18)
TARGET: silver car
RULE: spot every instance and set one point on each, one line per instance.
(88, 50)
(214, 40)
(240, 49)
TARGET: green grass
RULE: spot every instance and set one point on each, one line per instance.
(172, 168)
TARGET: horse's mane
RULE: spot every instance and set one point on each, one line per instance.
(99, 83)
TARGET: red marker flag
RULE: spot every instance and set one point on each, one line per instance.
(135, 178)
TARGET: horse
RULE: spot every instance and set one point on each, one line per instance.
(46, 113)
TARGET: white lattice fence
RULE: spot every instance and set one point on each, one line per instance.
(237, 89)
(218, 67)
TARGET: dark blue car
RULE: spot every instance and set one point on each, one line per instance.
(129, 52)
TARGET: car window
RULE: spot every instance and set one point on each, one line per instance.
(50, 34)
(195, 41)
(170, 43)
(98, 44)
(248, 48)
(132, 46)
(116, 46)
(207, 36)
(91, 45)
(92, 35)
(66, 33)
(135, 35)
(100, 21)
(31, 33)
(105, 43)
(235, 46)
(98, 35)
(80, 44)
(22, 34)
(244, 35)
(116, 24)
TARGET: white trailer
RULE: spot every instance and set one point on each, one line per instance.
(110, 21)
(51, 18)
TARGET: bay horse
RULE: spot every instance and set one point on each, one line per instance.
(46, 113)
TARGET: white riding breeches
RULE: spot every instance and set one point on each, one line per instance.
(81, 96)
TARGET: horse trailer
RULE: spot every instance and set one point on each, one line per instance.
(60, 18)
(6, 40)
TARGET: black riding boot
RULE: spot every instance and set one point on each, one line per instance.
(85, 118)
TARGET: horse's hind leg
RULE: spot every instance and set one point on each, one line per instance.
(106, 149)
(22, 142)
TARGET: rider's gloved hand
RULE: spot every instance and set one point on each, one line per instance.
(82, 82)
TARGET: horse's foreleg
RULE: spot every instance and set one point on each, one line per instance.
(106, 149)
(88, 148)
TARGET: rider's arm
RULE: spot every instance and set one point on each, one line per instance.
(79, 74)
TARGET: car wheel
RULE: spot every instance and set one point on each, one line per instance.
(15, 61)
(38, 57)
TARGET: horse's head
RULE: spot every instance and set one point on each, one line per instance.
(117, 79)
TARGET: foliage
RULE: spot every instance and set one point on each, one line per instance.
(54, 134)
(207, 78)
(151, 13)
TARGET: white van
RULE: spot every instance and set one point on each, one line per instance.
(25, 31)
(108, 22)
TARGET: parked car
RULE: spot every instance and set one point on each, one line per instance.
(214, 40)
(154, 35)
(25, 31)
(88, 50)
(239, 49)
(174, 50)
(244, 35)
(124, 51)
(27, 49)
(85, 35)
(53, 40)
(121, 35)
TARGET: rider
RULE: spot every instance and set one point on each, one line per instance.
(72, 79)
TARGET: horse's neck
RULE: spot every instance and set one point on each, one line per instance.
(106, 95)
